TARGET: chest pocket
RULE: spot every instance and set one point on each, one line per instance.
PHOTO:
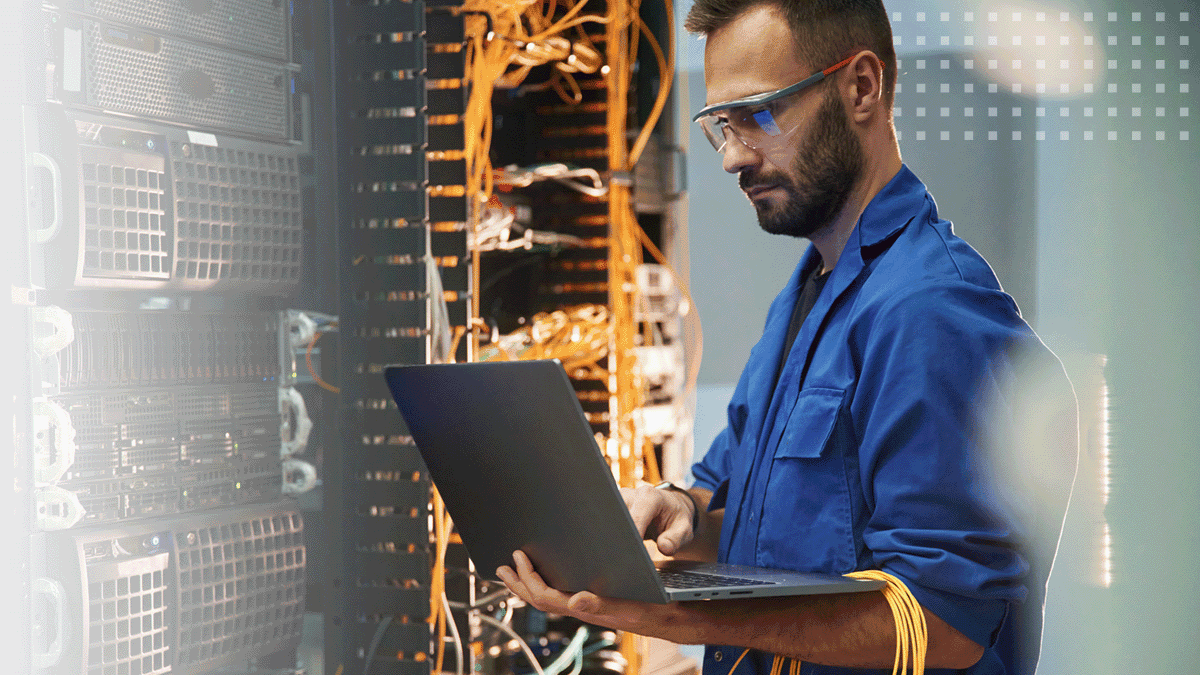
(806, 522)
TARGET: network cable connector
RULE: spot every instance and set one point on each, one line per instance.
(663, 370)
(659, 299)
(659, 422)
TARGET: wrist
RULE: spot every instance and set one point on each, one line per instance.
(668, 485)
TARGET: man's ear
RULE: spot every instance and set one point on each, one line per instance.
(863, 86)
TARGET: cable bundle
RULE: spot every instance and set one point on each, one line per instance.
(912, 634)
(578, 336)
(524, 34)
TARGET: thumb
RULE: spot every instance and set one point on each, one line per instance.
(584, 602)
(677, 534)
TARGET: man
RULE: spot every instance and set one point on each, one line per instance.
(860, 434)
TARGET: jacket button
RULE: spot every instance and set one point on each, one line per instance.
(717, 656)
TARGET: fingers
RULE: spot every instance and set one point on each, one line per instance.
(509, 577)
(527, 584)
(678, 531)
(662, 515)
(644, 505)
(675, 537)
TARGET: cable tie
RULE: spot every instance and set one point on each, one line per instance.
(624, 178)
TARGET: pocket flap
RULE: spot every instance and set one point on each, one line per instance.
(810, 424)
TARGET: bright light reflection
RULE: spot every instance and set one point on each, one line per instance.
(1031, 51)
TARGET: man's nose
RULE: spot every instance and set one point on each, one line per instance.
(738, 156)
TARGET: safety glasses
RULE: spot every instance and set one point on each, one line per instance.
(755, 120)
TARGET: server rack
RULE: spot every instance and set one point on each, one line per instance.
(223, 190)
(164, 148)
(399, 216)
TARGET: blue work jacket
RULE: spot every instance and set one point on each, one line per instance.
(868, 451)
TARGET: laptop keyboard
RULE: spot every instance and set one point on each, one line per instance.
(674, 579)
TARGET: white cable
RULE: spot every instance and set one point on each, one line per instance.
(458, 645)
(439, 325)
(570, 653)
(537, 667)
(484, 601)
(558, 172)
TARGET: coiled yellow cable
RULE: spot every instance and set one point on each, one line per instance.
(912, 634)
(911, 631)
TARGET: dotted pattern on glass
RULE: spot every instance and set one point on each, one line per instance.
(237, 214)
(241, 587)
(255, 26)
(243, 94)
(127, 623)
(124, 218)
(1029, 75)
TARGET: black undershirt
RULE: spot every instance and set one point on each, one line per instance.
(809, 292)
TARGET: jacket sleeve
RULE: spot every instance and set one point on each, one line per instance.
(932, 400)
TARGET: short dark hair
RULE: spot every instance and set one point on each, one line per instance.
(825, 31)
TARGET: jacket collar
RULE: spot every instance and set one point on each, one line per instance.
(889, 210)
(888, 213)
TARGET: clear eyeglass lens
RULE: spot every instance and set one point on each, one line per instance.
(714, 130)
(753, 128)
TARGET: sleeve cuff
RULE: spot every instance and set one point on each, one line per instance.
(704, 477)
(978, 619)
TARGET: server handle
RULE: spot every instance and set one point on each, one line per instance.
(57, 509)
(54, 442)
(298, 476)
(64, 330)
(57, 595)
(44, 234)
(294, 436)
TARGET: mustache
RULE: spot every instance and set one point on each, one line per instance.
(748, 180)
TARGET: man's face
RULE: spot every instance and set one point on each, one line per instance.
(799, 188)
(827, 159)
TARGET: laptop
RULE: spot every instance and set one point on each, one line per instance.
(515, 460)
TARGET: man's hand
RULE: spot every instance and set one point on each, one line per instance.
(637, 617)
(664, 516)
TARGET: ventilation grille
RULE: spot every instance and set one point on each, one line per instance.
(163, 207)
(133, 349)
(126, 232)
(237, 214)
(255, 26)
(241, 588)
(169, 79)
(128, 624)
(183, 594)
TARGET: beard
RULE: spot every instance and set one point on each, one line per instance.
(828, 163)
